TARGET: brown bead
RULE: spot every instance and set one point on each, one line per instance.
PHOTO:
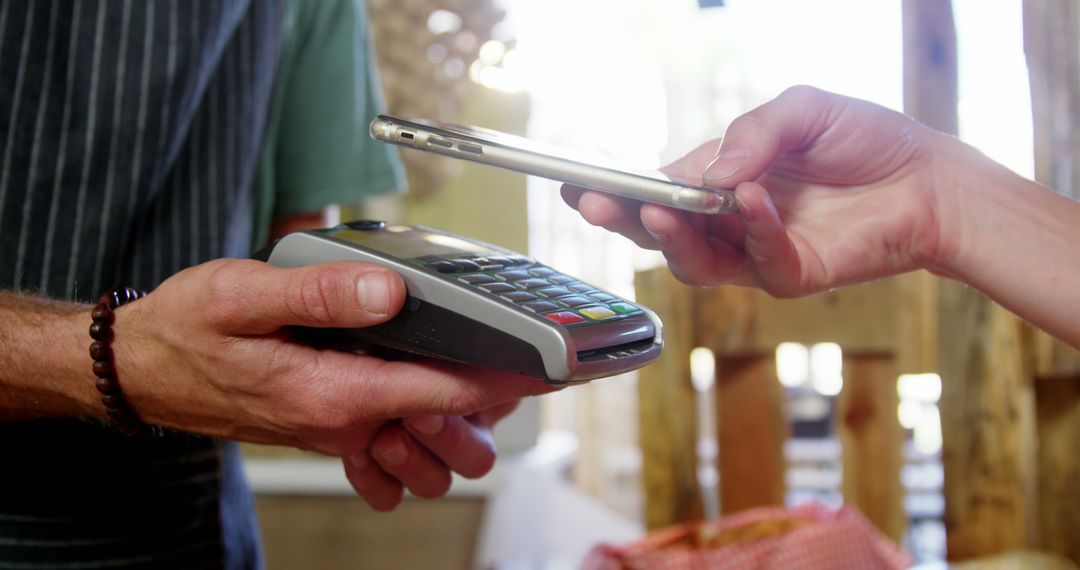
(100, 331)
(103, 369)
(100, 351)
(102, 314)
(108, 385)
(118, 414)
(113, 400)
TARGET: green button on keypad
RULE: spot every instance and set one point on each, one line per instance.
(623, 308)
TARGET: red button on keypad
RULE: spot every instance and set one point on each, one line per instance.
(564, 318)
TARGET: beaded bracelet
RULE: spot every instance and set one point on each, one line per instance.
(116, 406)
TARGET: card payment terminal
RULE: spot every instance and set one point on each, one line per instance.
(477, 303)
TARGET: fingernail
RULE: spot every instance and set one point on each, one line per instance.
(727, 162)
(427, 425)
(657, 237)
(396, 454)
(373, 290)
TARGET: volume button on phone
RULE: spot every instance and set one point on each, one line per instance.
(436, 141)
(470, 148)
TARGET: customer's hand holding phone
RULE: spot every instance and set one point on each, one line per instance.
(830, 191)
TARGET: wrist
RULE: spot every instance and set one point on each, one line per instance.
(108, 383)
(44, 367)
(965, 189)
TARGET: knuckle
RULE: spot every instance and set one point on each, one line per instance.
(223, 290)
(316, 299)
(463, 402)
(747, 123)
(802, 94)
(310, 405)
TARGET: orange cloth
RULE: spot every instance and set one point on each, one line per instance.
(810, 537)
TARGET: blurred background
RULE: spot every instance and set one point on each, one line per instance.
(646, 81)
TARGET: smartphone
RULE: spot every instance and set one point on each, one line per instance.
(531, 157)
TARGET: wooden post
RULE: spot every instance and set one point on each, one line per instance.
(1059, 470)
(872, 441)
(987, 406)
(751, 432)
(930, 78)
(668, 432)
(988, 427)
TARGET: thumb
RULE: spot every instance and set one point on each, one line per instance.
(689, 167)
(788, 123)
(340, 294)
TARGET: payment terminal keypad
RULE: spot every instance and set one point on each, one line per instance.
(536, 288)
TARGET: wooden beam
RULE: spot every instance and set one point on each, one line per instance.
(1051, 37)
(930, 78)
(987, 405)
(860, 318)
(751, 430)
(668, 432)
(872, 440)
(988, 427)
(1059, 470)
(917, 323)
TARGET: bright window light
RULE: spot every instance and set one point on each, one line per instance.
(995, 94)
(919, 387)
(927, 435)
(909, 413)
(702, 369)
(492, 52)
(443, 22)
(826, 368)
(792, 364)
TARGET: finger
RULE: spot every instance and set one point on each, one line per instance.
(571, 194)
(752, 141)
(361, 388)
(693, 257)
(258, 298)
(767, 242)
(465, 447)
(379, 489)
(615, 214)
(410, 463)
(493, 415)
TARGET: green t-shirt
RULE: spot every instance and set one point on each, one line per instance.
(317, 150)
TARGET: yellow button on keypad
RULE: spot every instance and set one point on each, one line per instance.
(597, 313)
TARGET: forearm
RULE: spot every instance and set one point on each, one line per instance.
(1017, 242)
(44, 364)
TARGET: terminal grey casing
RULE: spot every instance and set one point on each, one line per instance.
(446, 319)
